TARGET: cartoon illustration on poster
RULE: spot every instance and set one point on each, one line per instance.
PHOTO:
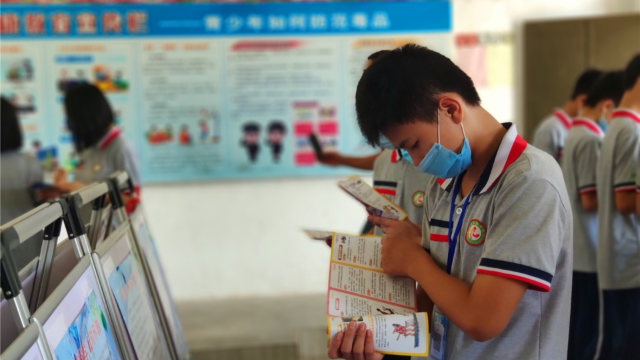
(88, 337)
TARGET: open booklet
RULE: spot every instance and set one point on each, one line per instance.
(375, 203)
(360, 291)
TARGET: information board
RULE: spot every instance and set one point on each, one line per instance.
(209, 91)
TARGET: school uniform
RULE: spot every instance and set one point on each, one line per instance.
(580, 155)
(516, 224)
(112, 153)
(18, 171)
(401, 182)
(551, 133)
(618, 252)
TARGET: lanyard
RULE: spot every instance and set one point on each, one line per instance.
(453, 240)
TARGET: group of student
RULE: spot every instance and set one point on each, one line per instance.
(492, 235)
(100, 150)
(595, 138)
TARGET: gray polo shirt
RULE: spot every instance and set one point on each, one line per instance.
(18, 171)
(401, 182)
(618, 253)
(112, 153)
(518, 226)
(551, 133)
(580, 155)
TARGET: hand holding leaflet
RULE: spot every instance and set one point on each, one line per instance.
(375, 203)
(359, 290)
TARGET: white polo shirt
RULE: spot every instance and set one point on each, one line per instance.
(551, 133)
(517, 225)
(618, 253)
(401, 182)
(580, 155)
(112, 153)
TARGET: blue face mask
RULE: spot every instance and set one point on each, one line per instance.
(603, 124)
(443, 162)
(405, 155)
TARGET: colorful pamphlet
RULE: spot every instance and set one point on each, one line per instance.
(359, 290)
(375, 203)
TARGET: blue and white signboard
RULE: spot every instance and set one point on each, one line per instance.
(209, 91)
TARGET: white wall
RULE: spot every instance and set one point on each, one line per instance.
(243, 238)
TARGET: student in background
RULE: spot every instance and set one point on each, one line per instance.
(618, 258)
(580, 155)
(551, 133)
(497, 219)
(18, 172)
(98, 141)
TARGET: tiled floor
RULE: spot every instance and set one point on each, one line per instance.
(274, 328)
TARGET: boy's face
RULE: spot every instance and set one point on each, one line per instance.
(418, 137)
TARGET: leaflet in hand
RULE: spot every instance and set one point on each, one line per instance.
(359, 288)
(375, 203)
(318, 234)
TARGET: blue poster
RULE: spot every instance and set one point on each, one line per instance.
(210, 91)
(88, 337)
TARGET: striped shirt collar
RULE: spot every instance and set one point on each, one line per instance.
(589, 124)
(628, 113)
(563, 118)
(511, 147)
(109, 137)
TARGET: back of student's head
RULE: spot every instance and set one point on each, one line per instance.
(609, 86)
(403, 85)
(89, 115)
(632, 72)
(585, 82)
(10, 131)
(376, 55)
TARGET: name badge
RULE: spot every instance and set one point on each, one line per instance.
(438, 341)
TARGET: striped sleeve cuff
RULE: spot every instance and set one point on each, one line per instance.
(627, 186)
(536, 279)
(587, 189)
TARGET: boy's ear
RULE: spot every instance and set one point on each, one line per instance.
(451, 104)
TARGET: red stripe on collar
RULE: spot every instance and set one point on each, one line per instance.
(395, 156)
(511, 147)
(444, 183)
(563, 118)
(589, 124)
(108, 139)
(628, 114)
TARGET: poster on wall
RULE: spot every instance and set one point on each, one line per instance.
(209, 91)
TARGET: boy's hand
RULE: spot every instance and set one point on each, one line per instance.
(398, 229)
(398, 247)
(355, 343)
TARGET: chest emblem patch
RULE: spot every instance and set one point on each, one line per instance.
(476, 233)
(418, 198)
(96, 167)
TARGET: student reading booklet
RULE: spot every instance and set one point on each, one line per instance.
(359, 290)
(375, 203)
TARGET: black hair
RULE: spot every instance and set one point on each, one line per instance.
(632, 72)
(585, 82)
(251, 127)
(402, 86)
(89, 115)
(10, 131)
(374, 56)
(276, 125)
(608, 86)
